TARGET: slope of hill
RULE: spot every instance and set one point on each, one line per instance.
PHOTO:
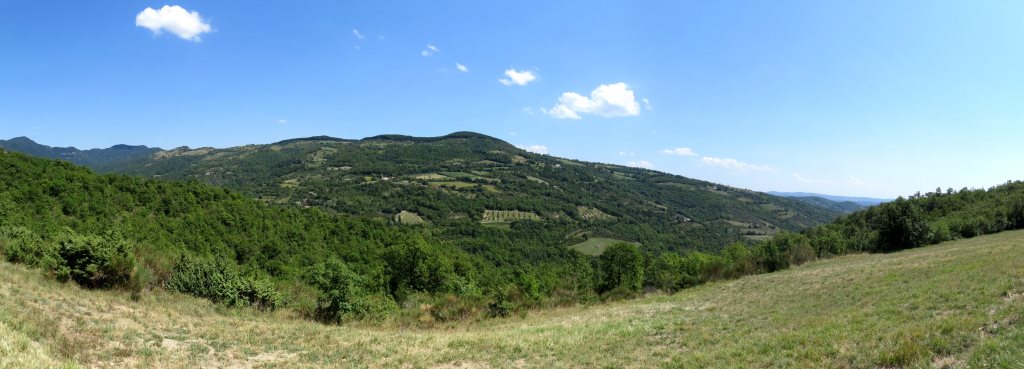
(467, 179)
(955, 305)
(844, 207)
(863, 201)
(99, 159)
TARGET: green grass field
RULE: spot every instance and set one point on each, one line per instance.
(595, 245)
(955, 305)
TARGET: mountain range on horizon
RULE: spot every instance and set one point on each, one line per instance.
(469, 178)
(102, 159)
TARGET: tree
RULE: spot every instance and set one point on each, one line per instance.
(666, 272)
(622, 266)
(901, 225)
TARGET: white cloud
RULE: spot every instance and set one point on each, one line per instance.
(681, 151)
(174, 19)
(614, 100)
(461, 68)
(430, 50)
(857, 181)
(623, 153)
(536, 149)
(560, 112)
(647, 104)
(733, 164)
(640, 164)
(517, 77)
(282, 121)
(359, 35)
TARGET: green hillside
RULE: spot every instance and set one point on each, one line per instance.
(458, 181)
(955, 305)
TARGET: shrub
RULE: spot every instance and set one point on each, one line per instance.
(21, 245)
(346, 295)
(500, 307)
(95, 262)
(217, 281)
(666, 272)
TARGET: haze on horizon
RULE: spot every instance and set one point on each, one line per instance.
(871, 98)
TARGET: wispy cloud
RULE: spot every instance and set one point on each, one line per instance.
(733, 164)
(430, 50)
(640, 164)
(613, 100)
(461, 68)
(174, 19)
(517, 77)
(680, 151)
(647, 104)
(357, 34)
(282, 121)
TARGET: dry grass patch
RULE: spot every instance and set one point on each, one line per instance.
(950, 305)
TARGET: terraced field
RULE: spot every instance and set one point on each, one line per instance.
(588, 213)
(507, 216)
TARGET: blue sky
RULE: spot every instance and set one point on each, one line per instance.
(873, 98)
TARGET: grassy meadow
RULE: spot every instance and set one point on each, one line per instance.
(955, 305)
(595, 245)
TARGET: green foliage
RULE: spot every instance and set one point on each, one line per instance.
(900, 225)
(347, 295)
(20, 245)
(218, 281)
(93, 261)
(665, 272)
(456, 181)
(622, 266)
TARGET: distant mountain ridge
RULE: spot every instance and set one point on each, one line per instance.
(99, 159)
(863, 201)
(460, 182)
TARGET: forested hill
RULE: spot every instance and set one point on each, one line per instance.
(462, 181)
(99, 159)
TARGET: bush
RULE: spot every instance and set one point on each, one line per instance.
(95, 262)
(500, 307)
(666, 272)
(217, 281)
(21, 245)
(346, 295)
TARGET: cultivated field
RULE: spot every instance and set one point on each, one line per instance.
(955, 305)
(505, 216)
